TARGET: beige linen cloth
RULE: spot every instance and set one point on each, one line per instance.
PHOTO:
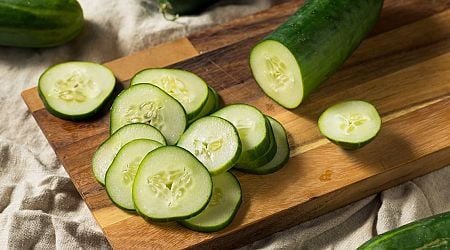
(39, 206)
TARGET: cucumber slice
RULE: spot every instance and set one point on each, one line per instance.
(171, 184)
(186, 87)
(211, 105)
(307, 49)
(222, 207)
(350, 124)
(282, 154)
(120, 175)
(252, 128)
(76, 90)
(264, 158)
(106, 152)
(147, 103)
(214, 141)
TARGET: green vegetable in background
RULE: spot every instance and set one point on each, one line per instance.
(39, 23)
(429, 233)
(182, 7)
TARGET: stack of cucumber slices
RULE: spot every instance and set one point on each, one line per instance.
(171, 148)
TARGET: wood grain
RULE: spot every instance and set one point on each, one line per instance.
(403, 68)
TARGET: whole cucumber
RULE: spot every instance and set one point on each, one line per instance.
(39, 23)
(310, 46)
(429, 233)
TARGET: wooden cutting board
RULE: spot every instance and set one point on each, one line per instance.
(403, 68)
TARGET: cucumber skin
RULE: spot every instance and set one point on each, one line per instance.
(414, 235)
(81, 117)
(218, 227)
(322, 34)
(39, 23)
(183, 7)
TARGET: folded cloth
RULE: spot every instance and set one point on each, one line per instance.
(39, 206)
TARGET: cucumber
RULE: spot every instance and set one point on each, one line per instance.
(214, 141)
(429, 233)
(264, 158)
(76, 90)
(350, 124)
(183, 7)
(120, 175)
(171, 184)
(307, 49)
(186, 87)
(281, 155)
(146, 103)
(106, 152)
(222, 207)
(211, 105)
(39, 23)
(252, 127)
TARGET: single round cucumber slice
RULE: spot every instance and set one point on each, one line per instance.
(264, 158)
(120, 175)
(146, 103)
(171, 184)
(106, 152)
(282, 154)
(211, 105)
(350, 124)
(277, 72)
(76, 90)
(223, 206)
(186, 87)
(214, 141)
(252, 128)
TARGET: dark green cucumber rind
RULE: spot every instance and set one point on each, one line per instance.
(259, 149)
(175, 218)
(351, 145)
(220, 226)
(264, 158)
(183, 7)
(427, 232)
(211, 105)
(191, 116)
(217, 99)
(80, 117)
(39, 23)
(322, 34)
(112, 106)
(271, 167)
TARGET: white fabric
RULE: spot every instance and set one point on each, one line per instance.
(39, 206)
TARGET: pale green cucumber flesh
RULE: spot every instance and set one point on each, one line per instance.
(171, 184)
(120, 175)
(350, 124)
(106, 152)
(76, 90)
(214, 141)
(223, 206)
(186, 87)
(146, 103)
(211, 105)
(252, 128)
(281, 156)
(264, 158)
(310, 46)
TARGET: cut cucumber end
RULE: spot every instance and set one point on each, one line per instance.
(277, 72)
(76, 90)
(350, 124)
(171, 184)
(186, 87)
